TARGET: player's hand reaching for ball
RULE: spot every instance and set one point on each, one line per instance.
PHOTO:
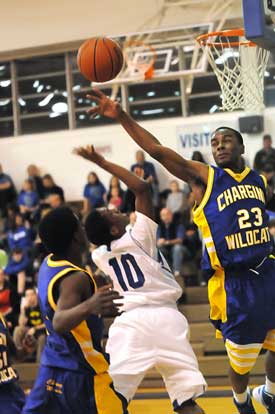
(102, 301)
(89, 153)
(104, 105)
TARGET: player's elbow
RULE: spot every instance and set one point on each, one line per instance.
(58, 324)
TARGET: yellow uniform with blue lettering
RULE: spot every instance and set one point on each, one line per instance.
(237, 260)
(73, 376)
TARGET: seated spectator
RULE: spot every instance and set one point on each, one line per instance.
(4, 258)
(20, 235)
(17, 269)
(197, 156)
(269, 172)
(51, 188)
(115, 200)
(114, 182)
(7, 192)
(34, 175)
(5, 297)
(170, 237)
(266, 155)
(177, 201)
(28, 199)
(94, 193)
(30, 323)
(192, 241)
(55, 200)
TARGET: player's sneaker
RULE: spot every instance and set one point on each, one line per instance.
(245, 408)
(264, 398)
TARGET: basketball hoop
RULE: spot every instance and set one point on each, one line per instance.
(140, 58)
(239, 65)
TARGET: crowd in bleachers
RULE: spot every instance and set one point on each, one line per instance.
(21, 251)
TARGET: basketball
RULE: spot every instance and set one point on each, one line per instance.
(100, 59)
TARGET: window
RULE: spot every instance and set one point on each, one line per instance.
(6, 112)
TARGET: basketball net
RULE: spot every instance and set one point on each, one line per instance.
(140, 58)
(240, 68)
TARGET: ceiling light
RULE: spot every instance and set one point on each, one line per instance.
(152, 111)
(5, 83)
(35, 84)
(46, 100)
(76, 87)
(151, 93)
(40, 88)
(82, 116)
(213, 109)
(60, 107)
(4, 102)
(54, 114)
(2, 67)
(227, 54)
(22, 102)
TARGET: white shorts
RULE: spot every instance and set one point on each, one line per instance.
(153, 336)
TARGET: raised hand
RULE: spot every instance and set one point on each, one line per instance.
(104, 105)
(89, 153)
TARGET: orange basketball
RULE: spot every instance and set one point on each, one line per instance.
(100, 59)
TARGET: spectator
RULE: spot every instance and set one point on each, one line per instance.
(114, 182)
(115, 200)
(28, 199)
(17, 268)
(148, 167)
(269, 172)
(149, 174)
(20, 235)
(7, 192)
(51, 188)
(197, 156)
(30, 323)
(55, 200)
(170, 237)
(266, 155)
(177, 201)
(129, 197)
(192, 241)
(34, 175)
(5, 296)
(94, 193)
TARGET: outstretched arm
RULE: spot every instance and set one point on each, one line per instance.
(184, 169)
(140, 188)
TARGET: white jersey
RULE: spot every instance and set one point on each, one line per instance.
(138, 270)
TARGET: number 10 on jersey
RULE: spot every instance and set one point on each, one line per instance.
(133, 275)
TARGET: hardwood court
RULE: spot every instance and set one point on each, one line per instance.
(211, 405)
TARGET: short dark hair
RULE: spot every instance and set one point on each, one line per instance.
(17, 250)
(98, 229)
(271, 223)
(237, 133)
(267, 136)
(57, 230)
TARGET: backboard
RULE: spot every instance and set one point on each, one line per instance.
(259, 22)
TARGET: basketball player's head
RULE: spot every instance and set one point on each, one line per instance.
(103, 226)
(227, 147)
(61, 232)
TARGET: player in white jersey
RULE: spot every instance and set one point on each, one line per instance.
(151, 332)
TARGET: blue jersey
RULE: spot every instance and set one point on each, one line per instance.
(80, 349)
(7, 373)
(233, 220)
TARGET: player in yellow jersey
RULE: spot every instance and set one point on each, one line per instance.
(73, 376)
(231, 215)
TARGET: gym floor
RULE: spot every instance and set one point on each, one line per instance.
(156, 402)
